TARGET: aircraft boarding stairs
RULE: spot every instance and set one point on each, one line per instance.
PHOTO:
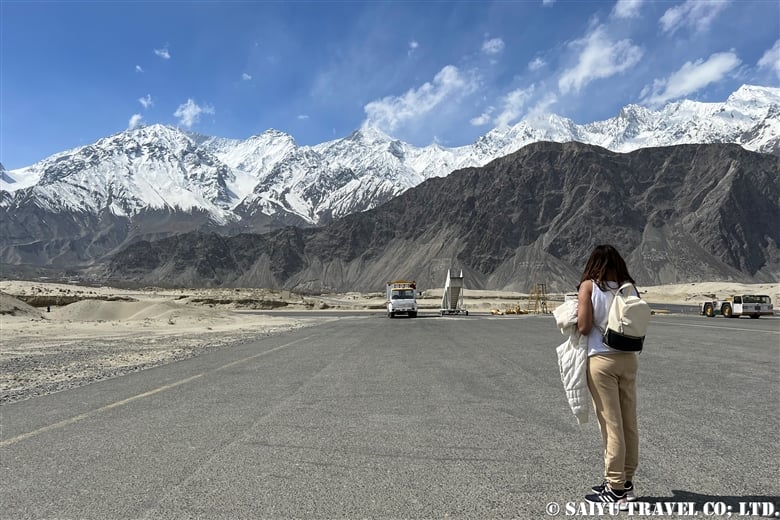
(452, 298)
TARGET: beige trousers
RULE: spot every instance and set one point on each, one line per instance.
(612, 384)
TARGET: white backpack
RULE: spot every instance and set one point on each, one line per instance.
(627, 321)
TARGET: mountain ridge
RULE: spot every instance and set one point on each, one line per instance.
(81, 206)
(308, 185)
(678, 214)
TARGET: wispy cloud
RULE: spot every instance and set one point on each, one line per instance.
(135, 120)
(413, 46)
(146, 101)
(697, 14)
(536, 64)
(548, 2)
(513, 104)
(542, 106)
(493, 46)
(246, 77)
(483, 118)
(599, 57)
(690, 78)
(302, 117)
(771, 59)
(627, 9)
(163, 53)
(138, 68)
(189, 113)
(390, 112)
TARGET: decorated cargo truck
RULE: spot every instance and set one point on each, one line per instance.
(402, 298)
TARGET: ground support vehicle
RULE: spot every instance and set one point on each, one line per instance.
(452, 297)
(753, 305)
(402, 298)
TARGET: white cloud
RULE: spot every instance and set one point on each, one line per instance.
(543, 105)
(690, 78)
(599, 58)
(146, 101)
(413, 45)
(697, 14)
(513, 104)
(627, 9)
(135, 120)
(163, 53)
(548, 2)
(189, 113)
(301, 117)
(493, 46)
(771, 59)
(390, 112)
(536, 64)
(138, 68)
(245, 76)
(483, 118)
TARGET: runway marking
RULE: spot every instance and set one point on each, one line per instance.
(253, 356)
(726, 328)
(86, 415)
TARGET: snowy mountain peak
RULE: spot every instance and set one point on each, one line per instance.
(258, 154)
(634, 113)
(272, 134)
(159, 166)
(147, 134)
(755, 95)
(370, 134)
(151, 167)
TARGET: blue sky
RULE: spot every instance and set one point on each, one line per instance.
(423, 72)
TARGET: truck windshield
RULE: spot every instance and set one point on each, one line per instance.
(406, 294)
(752, 298)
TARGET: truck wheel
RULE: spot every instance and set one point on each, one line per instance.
(708, 310)
(726, 311)
(755, 316)
(413, 314)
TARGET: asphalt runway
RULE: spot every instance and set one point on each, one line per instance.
(407, 418)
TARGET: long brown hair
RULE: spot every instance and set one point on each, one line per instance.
(605, 262)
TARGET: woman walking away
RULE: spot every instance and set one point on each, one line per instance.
(611, 376)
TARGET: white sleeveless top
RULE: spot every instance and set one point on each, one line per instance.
(601, 301)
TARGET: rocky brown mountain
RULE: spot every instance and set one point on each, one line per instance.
(678, 214)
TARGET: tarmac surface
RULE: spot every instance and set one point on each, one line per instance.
(366, 416)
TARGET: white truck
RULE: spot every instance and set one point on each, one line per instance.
(402, 298)
(753, 305)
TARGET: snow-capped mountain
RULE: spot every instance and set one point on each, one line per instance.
(154, 167)
(162, 168)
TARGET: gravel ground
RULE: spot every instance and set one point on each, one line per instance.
(54, 365)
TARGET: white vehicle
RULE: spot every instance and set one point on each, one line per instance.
(402, 298)
(753, 305)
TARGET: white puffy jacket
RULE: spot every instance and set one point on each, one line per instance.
(573, 360)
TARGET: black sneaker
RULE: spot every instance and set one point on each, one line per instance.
(607, 495)
(628, 486)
